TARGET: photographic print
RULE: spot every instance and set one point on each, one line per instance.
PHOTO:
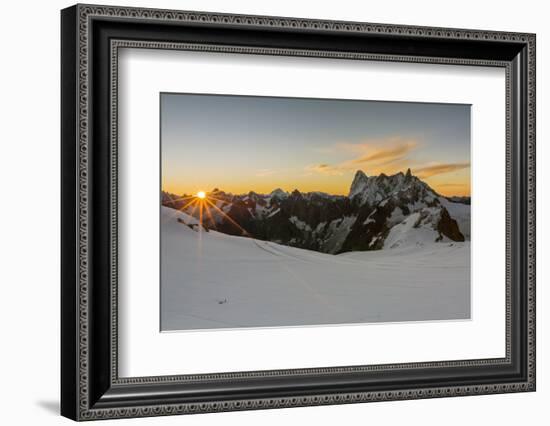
(280, 212)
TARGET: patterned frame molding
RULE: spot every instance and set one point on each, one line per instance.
(83, 401)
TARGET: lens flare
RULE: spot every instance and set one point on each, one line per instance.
(202, 201)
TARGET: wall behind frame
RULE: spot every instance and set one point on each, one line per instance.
(29, 217)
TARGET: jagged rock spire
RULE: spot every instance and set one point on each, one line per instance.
(360, 181)
(408, 174)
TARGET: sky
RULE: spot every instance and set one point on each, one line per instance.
(247, 143)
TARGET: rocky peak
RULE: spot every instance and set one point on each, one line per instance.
(296, 194)
(359, 184)
(218, 193)
(278, 193)
(374, 189)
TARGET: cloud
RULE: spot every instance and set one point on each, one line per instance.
(325, 169)
(372, 155)
(387, 154)
(439, 169)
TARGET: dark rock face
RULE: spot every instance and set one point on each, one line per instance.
(447, 226)
(327, 223)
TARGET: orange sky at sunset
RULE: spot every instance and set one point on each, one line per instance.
(247, 143)
(372, 157)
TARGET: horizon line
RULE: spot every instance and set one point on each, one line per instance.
(191, 193)
(280, 187)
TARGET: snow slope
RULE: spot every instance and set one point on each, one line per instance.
(212, 280)
(459, 212)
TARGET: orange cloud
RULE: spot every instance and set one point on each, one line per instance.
(438, 169)
(388, 154)
(325, 169)
(372, 155)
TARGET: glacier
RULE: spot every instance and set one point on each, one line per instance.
(211, 280)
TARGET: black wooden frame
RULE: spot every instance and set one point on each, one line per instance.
(90, 387)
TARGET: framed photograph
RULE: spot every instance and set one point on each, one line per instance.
(263, 212)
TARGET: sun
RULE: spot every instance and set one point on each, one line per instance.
(206, 205)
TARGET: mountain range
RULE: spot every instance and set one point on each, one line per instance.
(379, 212)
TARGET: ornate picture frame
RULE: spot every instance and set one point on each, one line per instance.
(91, 37)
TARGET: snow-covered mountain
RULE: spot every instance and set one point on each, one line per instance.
(212, 280)
(380, 212)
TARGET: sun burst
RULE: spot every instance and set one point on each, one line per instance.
(203, 202)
